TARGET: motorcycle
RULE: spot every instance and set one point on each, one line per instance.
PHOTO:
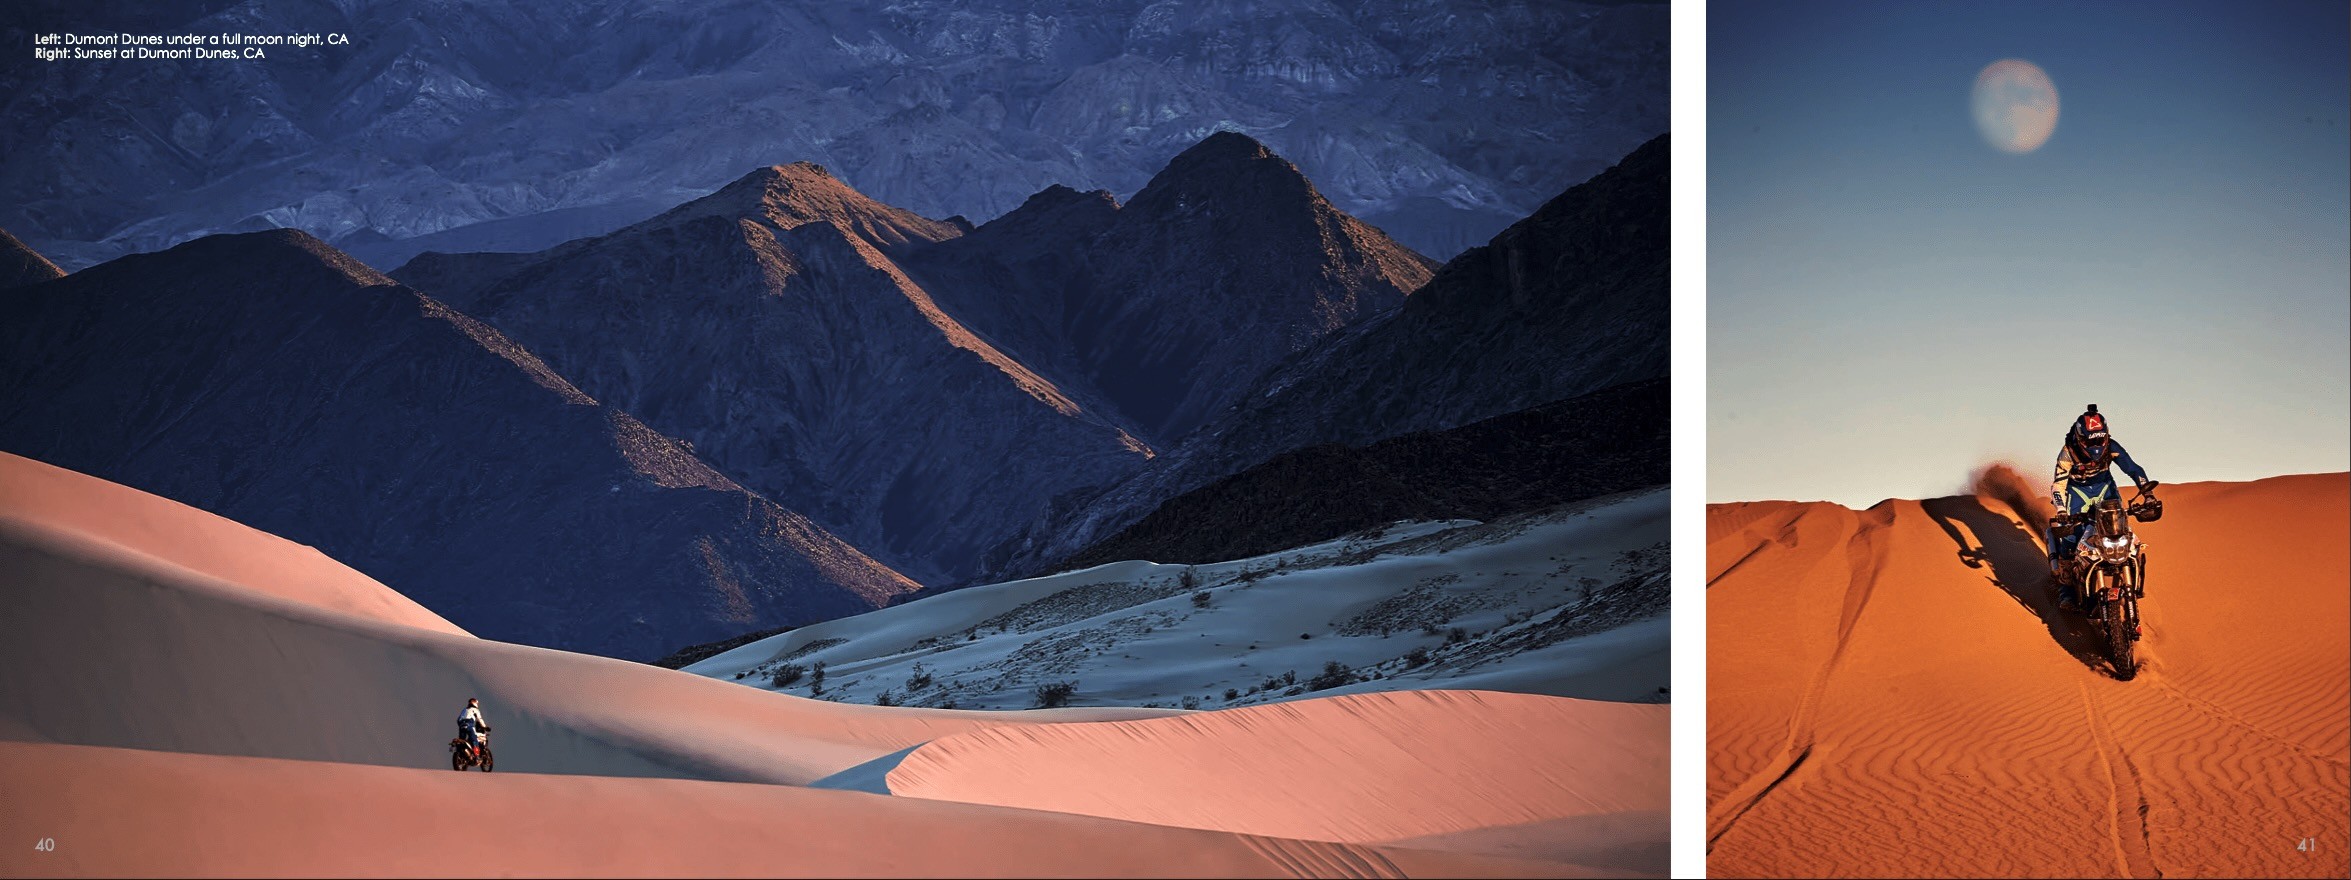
(2109, 571)
(463, 756)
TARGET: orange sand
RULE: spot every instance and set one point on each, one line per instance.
(180, 695)
(31, 491)
(116, 812)
(1891, 693)
(1580, 781)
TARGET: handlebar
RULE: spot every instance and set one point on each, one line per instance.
(2144, 499)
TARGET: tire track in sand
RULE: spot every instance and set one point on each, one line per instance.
(2133, 853)
(1864, 557)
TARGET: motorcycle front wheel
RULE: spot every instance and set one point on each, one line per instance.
(2121, 630)
(486, 759)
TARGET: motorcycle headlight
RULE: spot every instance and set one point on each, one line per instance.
(2115, 549)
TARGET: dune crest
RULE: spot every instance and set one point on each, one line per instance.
(52, 497)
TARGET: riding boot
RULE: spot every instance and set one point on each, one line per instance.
(2064, 585)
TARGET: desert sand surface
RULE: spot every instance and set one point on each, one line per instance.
(183, 696)
(1569, 602)
(1891, 692)
(1573, 780)
(119, 812)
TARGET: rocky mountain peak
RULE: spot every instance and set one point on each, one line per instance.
(800, 193)
(1056, 197)
(1226, 262)
(1225, 145)
(1053, 210)
(289, 254)
(1229, 167)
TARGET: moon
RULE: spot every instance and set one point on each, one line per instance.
(2015, 105)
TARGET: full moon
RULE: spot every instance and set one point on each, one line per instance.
(2015, 105)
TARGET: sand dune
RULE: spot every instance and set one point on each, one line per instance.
(136, 650)
(33, 492)
(1569, 602)
(117, 812)
(180, 695)
(1891, 693)
(1361, 768)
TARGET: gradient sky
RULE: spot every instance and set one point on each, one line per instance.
(1891, 301)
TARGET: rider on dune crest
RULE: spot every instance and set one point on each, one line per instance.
(470, 724)
(2084, 477)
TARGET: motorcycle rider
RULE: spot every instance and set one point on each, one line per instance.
(2085, 477)
(470, 724)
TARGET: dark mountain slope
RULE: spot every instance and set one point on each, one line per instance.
(1607, 441)
(1568, 301)
(1172, 305)
(272, 380)
(770, 325)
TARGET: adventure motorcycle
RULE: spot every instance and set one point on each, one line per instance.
(463, 756)
(2108, 571)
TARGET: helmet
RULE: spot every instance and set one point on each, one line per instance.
(2088, 436)
(473, 701)
(2090, 427)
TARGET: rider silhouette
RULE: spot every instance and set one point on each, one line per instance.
(470, 725)
(2084, 478)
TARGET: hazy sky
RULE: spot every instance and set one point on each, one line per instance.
(1891, 301)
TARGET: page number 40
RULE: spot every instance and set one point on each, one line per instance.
(47, 844)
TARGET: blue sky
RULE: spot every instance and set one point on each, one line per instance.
(1891, 301)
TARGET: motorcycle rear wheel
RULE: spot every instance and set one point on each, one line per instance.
(457, 760)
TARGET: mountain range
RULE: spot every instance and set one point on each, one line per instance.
(787, 401)
(921, 390)
(520, 125)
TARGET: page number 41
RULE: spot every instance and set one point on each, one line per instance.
(2307, 845)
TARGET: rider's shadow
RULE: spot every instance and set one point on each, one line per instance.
(2019, 567)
